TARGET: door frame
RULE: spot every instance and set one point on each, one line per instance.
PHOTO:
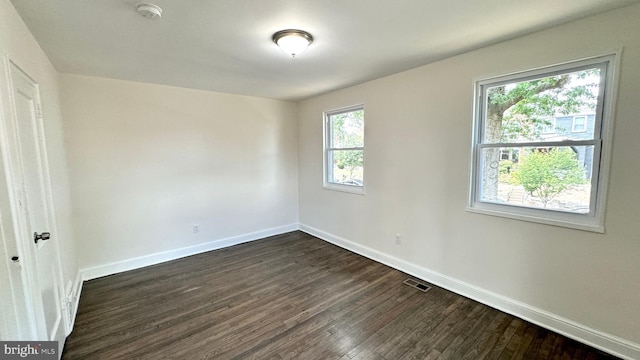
(24, 284)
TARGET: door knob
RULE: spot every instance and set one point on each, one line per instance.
(44, 236)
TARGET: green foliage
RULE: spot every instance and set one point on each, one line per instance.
(507, 169)
(348, 131)
(505, 166)
(348, 158)
(518, 112)
(545, 174)
(523, 108)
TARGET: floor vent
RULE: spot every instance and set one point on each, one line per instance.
(418, 285)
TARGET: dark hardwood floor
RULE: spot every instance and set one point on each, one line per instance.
(294, 296)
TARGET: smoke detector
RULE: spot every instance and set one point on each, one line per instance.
(149, 10)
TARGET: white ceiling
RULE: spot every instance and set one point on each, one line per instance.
(225, 45)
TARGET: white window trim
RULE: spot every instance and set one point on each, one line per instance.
(326, 168)
(573, 123)
(594, 221)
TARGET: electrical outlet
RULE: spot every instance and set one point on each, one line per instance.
(196, 228)
(398, 239)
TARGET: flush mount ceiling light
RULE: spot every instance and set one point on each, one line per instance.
(148, 10)
(292, 42)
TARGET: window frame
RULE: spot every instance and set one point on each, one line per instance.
(602, 140)
(327, 148)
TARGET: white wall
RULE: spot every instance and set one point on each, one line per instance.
(418, 131)
(149, 161)
(18, 45)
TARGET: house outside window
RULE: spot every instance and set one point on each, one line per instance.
(344, 149)
(564, 124)
(555, 176)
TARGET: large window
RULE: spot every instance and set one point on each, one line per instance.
(550, 175)
(344, 149)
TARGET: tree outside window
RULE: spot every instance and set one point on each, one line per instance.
(344, 148)
(530, 151)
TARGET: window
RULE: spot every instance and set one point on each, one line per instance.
(344, 149)
(549, 179)
(508, 154)
(549, 126)
(579, 124)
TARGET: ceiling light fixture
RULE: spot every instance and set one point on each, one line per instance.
(149, 10)
(292, 42)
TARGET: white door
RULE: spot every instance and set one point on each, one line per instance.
(37, 273)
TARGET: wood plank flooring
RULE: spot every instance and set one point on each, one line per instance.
(294, 296)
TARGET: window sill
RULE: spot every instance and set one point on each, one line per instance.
(359, 190)
(571, 221)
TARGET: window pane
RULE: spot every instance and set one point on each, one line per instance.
(543, 109)
(549, 127)
(552, 178)
(579, 123)
(346, 167)
(347, 129)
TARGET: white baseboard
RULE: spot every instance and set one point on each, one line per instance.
(160, 257)
(606, 342)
